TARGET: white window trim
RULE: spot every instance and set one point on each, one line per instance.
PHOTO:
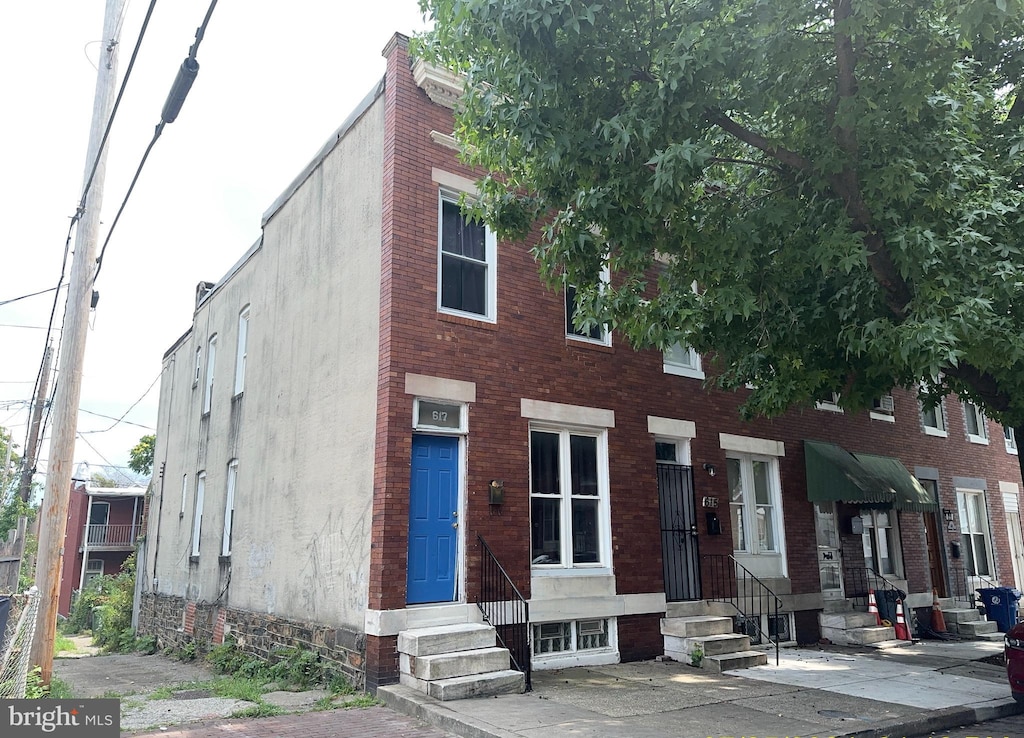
(750, 506)
(830, 405)
(606, 335)
(682, 450)
(198, 367)
(491, 259)
(980, 438)
(197, 513)
(694, 369)
(229, 508)
(1010, 441)
(184, 494)
(211, 366)
(242, 350)
(894, 531)
(878, 413)
(940, 416)
(567, 567)
(986, 529)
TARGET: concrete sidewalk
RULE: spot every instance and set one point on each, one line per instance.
(833, 691)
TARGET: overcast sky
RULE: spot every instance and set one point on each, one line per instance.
(275, 80)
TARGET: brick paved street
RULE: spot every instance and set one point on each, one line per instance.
(370, 722)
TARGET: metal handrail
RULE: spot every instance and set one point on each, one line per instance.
(506, 610)
(865, 579)
(733, 584)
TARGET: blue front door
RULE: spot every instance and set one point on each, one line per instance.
(433, 518)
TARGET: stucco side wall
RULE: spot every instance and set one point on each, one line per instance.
(303, 429)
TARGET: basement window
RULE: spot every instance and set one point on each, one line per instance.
(571, 637)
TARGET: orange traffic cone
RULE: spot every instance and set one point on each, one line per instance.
(901, 624)
(938, 622)
(873, 606)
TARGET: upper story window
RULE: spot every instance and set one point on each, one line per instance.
(240, 354)
(933, 419)
(229, 508)
(754, 503)
(883, 408)
(683, 361)
(977, 425)
(1010, 438)
(467, 272)
(569, 515)
(830, 402)
(198, 367)
(211, 362)
(197, 513)
(184, 494)
(575, 326)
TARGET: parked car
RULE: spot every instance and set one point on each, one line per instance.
(1013, 649)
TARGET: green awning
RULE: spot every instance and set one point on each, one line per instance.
(835, 475)
(910, 495)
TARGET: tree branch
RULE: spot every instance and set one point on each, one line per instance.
(747, 136)
(1017, 109)
(761, 164)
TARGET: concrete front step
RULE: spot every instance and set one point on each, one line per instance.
(847, 620)
(955, 615)
(463, 687)
(894, 643)
(446, 639)
(696, 626)
(455, 664)
(676, 647)
(975, 628)
(736, 660)
(859, 636)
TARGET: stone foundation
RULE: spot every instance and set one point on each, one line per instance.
(176, 622)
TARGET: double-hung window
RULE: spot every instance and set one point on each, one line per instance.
(467, 268)
(974, 531)
(575, 326)
(197, 513)
(754, 504)
(229, 508)
(977, 424)
(880, 541)
(683, 361)
(1010, 439)
(242, 350)
(211, 362)
(933, 419)
(568, 498)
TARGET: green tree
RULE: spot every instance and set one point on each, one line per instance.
(141, 455)
(824, 196)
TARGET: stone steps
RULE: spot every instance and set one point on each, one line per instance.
(736, 660)
(454, 662)
(696, 628)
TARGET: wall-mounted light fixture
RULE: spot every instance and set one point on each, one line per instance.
(710, 469)
(496, 492)
(947, 515)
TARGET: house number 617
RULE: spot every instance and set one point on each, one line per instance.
(439, 415)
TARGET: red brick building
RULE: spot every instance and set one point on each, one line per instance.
(380, 412)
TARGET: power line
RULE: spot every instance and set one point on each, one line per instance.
(110, 417)
(105, 460)
(32, 294)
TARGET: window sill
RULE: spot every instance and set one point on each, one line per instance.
(885, 417)
(980, 440)
(828, 407)
(468, 319)
(1012, 451)
(929, 431)
(682, 371)
(587, 343)
(194, 559)
(577, 571)
(224, 559)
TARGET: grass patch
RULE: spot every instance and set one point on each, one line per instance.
(59, 689)
(260, 709)
(63, 644)
(361, 700)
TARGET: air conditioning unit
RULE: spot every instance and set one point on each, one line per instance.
(885, 404)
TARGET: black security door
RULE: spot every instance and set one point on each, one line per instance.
(678, 532)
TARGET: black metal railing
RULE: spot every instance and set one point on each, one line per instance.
(756, 606)
(506, 610)
(860, 582)
(962, 588)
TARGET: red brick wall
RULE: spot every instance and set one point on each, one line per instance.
(526, 355)
(640, 637)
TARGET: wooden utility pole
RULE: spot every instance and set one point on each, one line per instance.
(32, 447)
(56, 499)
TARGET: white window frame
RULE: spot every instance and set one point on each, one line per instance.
(1010, 439)
(972, 410)
(91, 572)
(184, 494)
(971, 527)
(880, 412)
(940, 428)
(574, 655)
(749, 503)
(242, 350)
(211, 365)
(197, 512)
(565, 497)
(605, 338)
(229, 508)
(198, 367)
(869, 517)
(829, 405)
(490, 262)
(682, 450)
(682, 361)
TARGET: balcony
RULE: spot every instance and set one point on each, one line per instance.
(121, 537)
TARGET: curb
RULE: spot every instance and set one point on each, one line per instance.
(418, 705)
(941, 720)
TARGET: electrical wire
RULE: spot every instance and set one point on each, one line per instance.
(33, 294)
(200, 33)
(105, 460)
(122, 418)
(111, 417)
